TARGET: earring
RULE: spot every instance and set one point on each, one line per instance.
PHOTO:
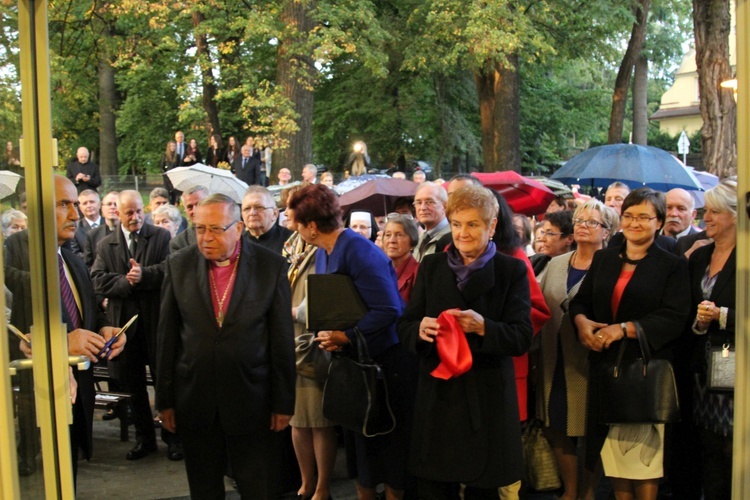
(313, 236)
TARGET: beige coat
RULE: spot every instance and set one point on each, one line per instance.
(575, 356)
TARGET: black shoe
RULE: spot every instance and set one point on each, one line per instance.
(174, 452)
(140, 450)
(110, 415)
(25, 468)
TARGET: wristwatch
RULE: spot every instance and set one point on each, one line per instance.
(624, 327)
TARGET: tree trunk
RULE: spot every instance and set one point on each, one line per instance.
(203, 55)
(107, 157)
(622, 83)
(294, 73)
(108, 163)
(711, 24)
(640, 101)
(498, 91)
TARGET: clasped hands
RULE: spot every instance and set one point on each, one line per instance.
(597, 336)
(706, 313)
(469, 320)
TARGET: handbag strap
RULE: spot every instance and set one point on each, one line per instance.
(363, 354)
(643, 343)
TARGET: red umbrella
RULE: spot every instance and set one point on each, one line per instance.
(377, 196)
(525, 196)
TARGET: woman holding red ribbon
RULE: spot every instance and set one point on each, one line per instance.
(468, 316)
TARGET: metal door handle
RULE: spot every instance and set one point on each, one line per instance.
(80, 362)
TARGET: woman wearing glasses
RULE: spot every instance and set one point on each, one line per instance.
(563, 365)
(634, 285)
(555, 238)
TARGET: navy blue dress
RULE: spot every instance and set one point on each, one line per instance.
(381, 459)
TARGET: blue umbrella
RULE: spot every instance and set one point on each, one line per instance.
(633, 164)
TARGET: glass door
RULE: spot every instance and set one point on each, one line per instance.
(35, 382)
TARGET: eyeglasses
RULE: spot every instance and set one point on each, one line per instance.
(543, 233)
(396, 215)
(640, 218)
(214, 230)
(591, 224)
(257, 208)
(426, 203)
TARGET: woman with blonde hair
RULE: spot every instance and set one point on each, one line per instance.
(563, 368)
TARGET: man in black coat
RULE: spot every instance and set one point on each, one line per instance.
(89, 204)
(83, 338)
(128, 271)
(260, 215)
(83, 173)
(226, 363)
(246, 167)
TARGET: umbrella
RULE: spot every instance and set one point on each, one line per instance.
(557, 187)
(707, 182)
(214, 179)
(8, 183)
(352, 182)
(376, 196)
(525, 196)
(633, 164)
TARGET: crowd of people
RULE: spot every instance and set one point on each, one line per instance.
(531, 309)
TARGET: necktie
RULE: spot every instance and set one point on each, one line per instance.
(69, 302)
(132, 245)
(94, 224)
(244, 163)
(423, 246)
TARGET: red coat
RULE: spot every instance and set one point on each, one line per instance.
(539, 315)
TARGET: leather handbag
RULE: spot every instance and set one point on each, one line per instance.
(355, 395)
(640, 390)
(721, 367)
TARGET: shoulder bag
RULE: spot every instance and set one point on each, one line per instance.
(640, 390)
(355, 395)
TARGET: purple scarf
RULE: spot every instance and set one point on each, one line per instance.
(462, 271)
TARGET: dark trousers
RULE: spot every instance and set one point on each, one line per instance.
(130, 371)
(253, 458)
(437, 490)
(717, 465)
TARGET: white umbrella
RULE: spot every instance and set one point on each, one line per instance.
(8, 183)
(214, 179)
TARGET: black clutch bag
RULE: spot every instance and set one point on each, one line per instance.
(333, 302)
(635, 391)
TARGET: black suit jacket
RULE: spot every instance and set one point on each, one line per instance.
(17, 278)
(182, 240)
(93, 238)
(687, 241)
(108, 274)
(78, 244)
(251, 173)
(240, 372)
(467, 429)
(92, 169)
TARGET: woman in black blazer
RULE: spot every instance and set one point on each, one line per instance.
(636, 282)
(713, 277)
(466, 424)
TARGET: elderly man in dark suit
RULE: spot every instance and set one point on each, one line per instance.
(89, 204)
(84, 173)
(246, 167)
(128, 273)
(190, 199)
(260, 215)
(226, 363)
(87, 330)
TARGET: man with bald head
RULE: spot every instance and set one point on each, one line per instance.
(128, 271)
(86, 325)
(83, 173)
(680, 214)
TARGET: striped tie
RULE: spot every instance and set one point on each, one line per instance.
(68, 301)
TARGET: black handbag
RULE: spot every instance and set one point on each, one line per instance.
(635, 391)
(355, 395)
